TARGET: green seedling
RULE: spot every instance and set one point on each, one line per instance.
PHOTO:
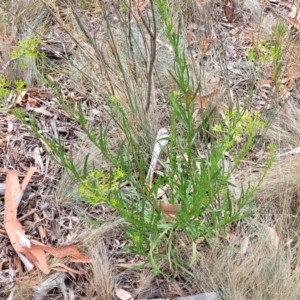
(264, 52)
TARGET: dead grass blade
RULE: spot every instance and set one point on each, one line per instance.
(103, 271)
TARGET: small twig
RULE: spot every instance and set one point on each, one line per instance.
(152, 34)
(41, 230)
(6, 65)
(27, 215)
(2, 231)
(130, 37)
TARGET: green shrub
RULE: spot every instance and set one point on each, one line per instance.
(195, 173)
(264, 52)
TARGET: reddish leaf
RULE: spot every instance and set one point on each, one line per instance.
(34, 252)
(228, 8)
(65, 251)
(200, 101)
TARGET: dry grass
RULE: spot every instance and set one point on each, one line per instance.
(20, 20)
(284, 128)
(67, 186)
(107, 69)
(102, 270)
(264, 272)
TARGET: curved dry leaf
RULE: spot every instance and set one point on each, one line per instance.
(66, 268)
(161, 141)
(168, 208)
(294, 23)
(200, 101)
(123, 295)
(37, 257)
(11, 224)
(20, 97)
(273, 236)
(228, 8)
(34, 252)
(64, 251)
(28, 265)
(41, 110)
(27, 177)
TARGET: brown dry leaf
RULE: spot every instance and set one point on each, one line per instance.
(273, 236)
(27, 177)
(37, 257)
(228, 7)
(294, 15)
(169, 210)
(204, 44)
(64, 251)
(66, 268)
(31, 101)
(2, 262)
(295, 9)
(2, 144)
(200, 101)
(293, 23)
(34, 252)
(123, 295)
(27, 97)
(11, 224)
(20, 98)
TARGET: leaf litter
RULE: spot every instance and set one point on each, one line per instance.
(30, 252)
(28, 209)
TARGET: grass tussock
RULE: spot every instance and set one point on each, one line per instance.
(104, 280)
(21, 21)
(263, 272)
(284, 128)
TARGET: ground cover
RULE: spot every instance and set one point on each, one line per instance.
(180, 107)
